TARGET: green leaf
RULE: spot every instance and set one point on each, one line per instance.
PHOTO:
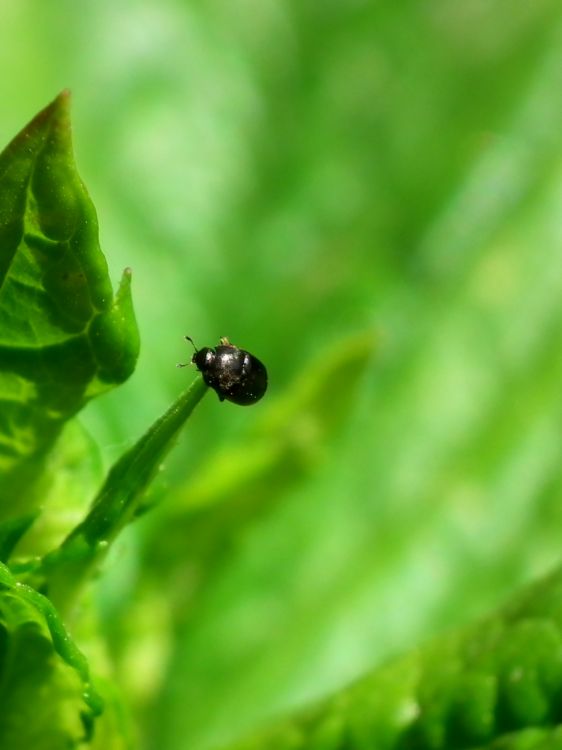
(240, 482)
(48, 701)
(528, 739)
(480, 687)
(64, 336)
(72, 474)
(203, 519)
(290, 437)
(117, 503)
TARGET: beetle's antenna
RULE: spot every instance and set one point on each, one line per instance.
(186, 364)
(188, 338)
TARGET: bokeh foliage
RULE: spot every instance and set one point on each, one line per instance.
(378, 179)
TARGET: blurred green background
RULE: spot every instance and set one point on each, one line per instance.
(368, 196)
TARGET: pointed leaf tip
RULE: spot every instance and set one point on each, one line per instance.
(114, 336)
(63, 336)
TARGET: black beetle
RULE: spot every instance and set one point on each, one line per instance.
(235, 374)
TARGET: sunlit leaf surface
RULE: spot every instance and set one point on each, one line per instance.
(64, 336)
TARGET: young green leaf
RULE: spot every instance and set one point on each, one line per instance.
(496, 685)
(291, 432)
(117, 503)
(71, 476)
(64, 336)
(48, 701)
(240, 483)
(229, 492)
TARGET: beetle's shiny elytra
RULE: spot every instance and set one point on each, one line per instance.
(235, 374)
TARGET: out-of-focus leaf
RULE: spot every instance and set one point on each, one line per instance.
(528, 739)
(480, 687)
(244, 480)
(201, 520)
(64, 336)
(72, 473)
(113, 729)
